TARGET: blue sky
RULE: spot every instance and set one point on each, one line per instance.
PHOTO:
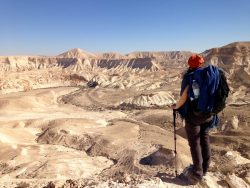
(50, 27)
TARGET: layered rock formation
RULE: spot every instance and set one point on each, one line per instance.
(76, 67)
(234, 58)
(138, 70)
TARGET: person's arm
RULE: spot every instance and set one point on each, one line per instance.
(182, 99)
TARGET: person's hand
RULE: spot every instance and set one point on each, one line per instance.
(173, 106)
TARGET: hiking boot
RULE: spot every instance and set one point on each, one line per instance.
(193, 179)
(204, 173)
(189, 176)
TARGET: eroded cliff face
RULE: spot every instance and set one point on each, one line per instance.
(234, 59)
(237, 53)
(138, 60)
(76, 67)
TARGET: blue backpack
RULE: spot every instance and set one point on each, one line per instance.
(213, 90)
(210, 96)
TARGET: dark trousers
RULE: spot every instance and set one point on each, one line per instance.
(198, 139)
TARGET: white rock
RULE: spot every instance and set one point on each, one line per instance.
(211, 180)
(236, 158)
(235, 122)
(236, 182)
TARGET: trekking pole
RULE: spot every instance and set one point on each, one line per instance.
(175, 152)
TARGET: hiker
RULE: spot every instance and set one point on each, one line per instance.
(196, 124)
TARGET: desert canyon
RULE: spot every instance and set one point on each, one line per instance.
(56, 131)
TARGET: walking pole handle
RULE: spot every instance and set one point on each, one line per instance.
(174, 113)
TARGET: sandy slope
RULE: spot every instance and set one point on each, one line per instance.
(45, 138)
(24, 116)
(41, 138)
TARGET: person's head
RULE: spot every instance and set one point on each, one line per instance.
(195, 61)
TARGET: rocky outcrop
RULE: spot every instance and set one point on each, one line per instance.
(41, 71)
(234, 58)
(161, 55)
(75, 60)
(237, 53)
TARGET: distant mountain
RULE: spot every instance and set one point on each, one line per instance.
(110, 55)
(77, 53)
(78, 65)
(234, 53)
(167, 55)
(160, 54)
(233, 58)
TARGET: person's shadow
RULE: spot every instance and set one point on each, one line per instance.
(156, 159)
(170, 178)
